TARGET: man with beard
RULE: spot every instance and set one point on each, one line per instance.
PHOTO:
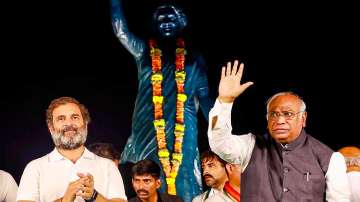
(214, 174)
(146, 182)
(231, 189)
(70, 172)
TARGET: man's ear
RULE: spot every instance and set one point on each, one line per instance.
(158, 183)
(304, 116)
(228, 167)
(50, 127)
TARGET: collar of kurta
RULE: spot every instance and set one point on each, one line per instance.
(56, 156)
(293, 145)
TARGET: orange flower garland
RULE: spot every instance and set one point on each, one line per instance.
(170, 168)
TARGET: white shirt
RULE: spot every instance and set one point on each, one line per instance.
(219, 197)
(354, 180)
(238, 149)
(47, 178)
(202, 197)
(8, 187)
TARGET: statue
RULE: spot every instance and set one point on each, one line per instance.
(172, 86)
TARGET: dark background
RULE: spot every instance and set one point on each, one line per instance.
(67, 48)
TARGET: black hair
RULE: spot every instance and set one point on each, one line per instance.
(146, 167)
(105, 150)
(210, 155)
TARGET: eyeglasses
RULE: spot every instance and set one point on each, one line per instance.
(287, 115)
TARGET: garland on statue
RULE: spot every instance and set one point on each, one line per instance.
(170, 161)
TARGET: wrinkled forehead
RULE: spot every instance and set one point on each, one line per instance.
(67, 108)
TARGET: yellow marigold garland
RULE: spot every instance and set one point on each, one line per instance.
(170, 167)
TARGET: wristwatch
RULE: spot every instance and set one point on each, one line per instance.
(93, 197)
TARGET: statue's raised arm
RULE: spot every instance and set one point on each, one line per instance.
(132, 43)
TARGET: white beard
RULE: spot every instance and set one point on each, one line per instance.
(69, 143)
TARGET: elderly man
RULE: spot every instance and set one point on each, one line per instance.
(70, 172)
(285, 165)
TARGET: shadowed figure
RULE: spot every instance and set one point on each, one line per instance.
(168, 22)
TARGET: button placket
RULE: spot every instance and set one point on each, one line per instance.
(286, 170)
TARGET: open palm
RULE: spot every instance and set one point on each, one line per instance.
(229, 86)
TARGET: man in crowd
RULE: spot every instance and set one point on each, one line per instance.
(231, 189)
(146, 182)
(107, 150)
(214, 174)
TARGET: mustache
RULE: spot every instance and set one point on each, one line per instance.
(208, 175)
(69, 128)
(142, 190)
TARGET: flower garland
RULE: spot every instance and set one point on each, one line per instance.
(169, 161)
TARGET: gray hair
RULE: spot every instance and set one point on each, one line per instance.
(302, 107)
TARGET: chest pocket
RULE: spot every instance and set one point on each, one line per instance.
(314, 184)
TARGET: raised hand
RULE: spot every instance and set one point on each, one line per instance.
(229, 86)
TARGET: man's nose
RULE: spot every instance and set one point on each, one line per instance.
(205, 170)
(281, 119)
(141, 185)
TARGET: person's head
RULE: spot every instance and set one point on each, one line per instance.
(146, 179)
(213, 169)
(286, 116)
(67, 121)
(169, 20)
(352, 158)
(234, 174)
(106, 150)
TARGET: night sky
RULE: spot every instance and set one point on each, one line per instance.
(67, 48)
